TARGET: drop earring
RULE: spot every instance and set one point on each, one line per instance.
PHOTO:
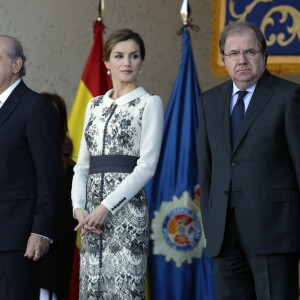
(108, 72)
(140, 71)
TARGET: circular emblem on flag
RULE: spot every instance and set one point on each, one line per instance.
(177, 230)
(181, 229)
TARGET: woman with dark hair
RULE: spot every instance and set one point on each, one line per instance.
(57, 264)
(118, 155)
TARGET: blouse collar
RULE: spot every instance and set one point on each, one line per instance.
(138, 92)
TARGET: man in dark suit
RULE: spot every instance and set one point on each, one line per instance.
(30, 168)
(249, 165)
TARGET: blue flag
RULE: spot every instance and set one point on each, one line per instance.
(178, 266)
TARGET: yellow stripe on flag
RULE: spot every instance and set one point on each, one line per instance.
(76, 117)
(78, 239)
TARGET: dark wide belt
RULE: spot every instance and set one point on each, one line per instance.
(112, 163)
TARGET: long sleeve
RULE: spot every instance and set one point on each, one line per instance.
(204, 155)
(81, 169)
(42, 134)
(292, 125)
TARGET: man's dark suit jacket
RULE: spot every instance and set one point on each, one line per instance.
(30, 166)
(263, 168)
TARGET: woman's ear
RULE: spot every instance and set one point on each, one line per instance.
(107, 65)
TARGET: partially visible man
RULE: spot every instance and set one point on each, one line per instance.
(30, 168)
(249, 165)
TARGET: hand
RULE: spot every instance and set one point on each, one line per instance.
(96, 219)
(37, 247)
(81, 215)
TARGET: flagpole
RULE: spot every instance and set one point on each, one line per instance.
(184, 12)
(100, 9)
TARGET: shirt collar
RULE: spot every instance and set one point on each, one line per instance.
(8, 91)
(235, 89)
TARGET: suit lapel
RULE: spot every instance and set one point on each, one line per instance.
(12, 102)
(225, 113)
(260, 98)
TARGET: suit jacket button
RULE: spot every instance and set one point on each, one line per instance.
(233, 164)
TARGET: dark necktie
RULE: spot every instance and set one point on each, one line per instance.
(237, 116)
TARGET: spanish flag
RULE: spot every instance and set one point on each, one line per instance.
(94, 82)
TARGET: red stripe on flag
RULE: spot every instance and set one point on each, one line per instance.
(74, 285)
(94, 74)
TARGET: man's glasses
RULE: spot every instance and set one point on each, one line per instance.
(247, 53)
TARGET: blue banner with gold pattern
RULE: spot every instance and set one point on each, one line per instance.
(279, 20)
